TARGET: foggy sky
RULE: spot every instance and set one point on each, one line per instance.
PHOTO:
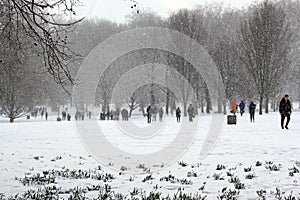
(117, 10)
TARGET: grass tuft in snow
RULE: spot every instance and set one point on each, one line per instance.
(192, 174)
(248, 169)
(220, 167)
(218, 176)
(148, 178)
(258, 164)
(228, 194)
(250, 176)
(183, 164)
(261, 194)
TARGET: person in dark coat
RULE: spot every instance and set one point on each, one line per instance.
(285, 110)
(69, 117)
(46, 116)
(149, 114)
(111, 114)
(126, 115)
(77, 115)
(107, 115)
(242, 108)
(178, 114)
(102, 116)
(190, 112)
(123, 114)
(82, 116)
(42, 113)
(252, 108)
(64, 114)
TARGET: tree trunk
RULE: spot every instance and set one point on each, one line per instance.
(152, 96)
(11, 119)
(167, 102)
(202, 106)
(184, 108)
(207, 108)
(267, 105)
(261, 99)
(224, 108)
(208, 101)
(196, 108)
(104, 105)
(274, 104)
(208, 104)
(219, 106)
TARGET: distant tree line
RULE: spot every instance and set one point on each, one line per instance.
(256, 51)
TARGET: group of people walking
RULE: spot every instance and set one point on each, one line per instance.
(190, 112)
(285, 110)
(242, 106)
(151, 112)
(109, 115)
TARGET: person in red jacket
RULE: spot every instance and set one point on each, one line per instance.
(111, 114)
(233, 107)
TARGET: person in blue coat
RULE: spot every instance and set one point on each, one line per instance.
(242, 108)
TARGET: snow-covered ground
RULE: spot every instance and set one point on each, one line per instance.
(29, 147)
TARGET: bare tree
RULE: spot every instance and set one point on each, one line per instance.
(292, 81)
(185, 22)
(266, 41)
(132, 103)
(39, 21)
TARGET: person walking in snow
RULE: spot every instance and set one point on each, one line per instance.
(126, 113)
(190, 112)
(46, 115)
(64, 114)
(149, 114)
(285, 110)
(160, 113)
(242, 108)
(178, 114)
(107, 115)
(233, 107)
(68, 117)
(252, 108)
(123, 114)
(111, 114)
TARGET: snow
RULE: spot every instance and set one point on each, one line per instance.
(31, 146)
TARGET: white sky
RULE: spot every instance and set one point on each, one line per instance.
(116, 10)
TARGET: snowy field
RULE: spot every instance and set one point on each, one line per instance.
(249, 161)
